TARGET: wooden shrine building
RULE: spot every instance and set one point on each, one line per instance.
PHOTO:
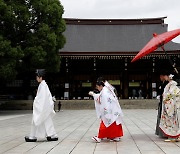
(105, 47)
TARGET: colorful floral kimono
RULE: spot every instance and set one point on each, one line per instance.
(170, 119)
(110, 113)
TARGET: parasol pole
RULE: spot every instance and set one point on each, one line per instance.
(173, 65)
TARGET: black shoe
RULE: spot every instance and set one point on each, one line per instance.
(49, 138)
(27, 139)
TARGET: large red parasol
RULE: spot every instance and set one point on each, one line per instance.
(157, 41)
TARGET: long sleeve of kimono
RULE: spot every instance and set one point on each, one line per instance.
(97, 104)
(175, 93)
(171, 91)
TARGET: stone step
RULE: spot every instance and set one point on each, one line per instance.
(81, 104)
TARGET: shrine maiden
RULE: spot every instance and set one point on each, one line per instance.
(109, 112)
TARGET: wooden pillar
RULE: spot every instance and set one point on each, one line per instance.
(151, 80)
(121, 84)
(149, 84)
(153, 83)
(66, 84)
(94, 74)
(125, 82)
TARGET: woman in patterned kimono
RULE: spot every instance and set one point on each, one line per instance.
(170, 122)
(110, 113)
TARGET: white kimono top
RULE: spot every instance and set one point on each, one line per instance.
(107, 107)
(43, 105)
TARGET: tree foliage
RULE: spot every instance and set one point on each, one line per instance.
(30, 35)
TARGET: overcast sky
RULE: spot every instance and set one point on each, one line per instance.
(124, 9)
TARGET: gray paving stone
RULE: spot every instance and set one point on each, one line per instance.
(75, 129)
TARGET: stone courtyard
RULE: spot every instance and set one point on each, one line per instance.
(75, 129)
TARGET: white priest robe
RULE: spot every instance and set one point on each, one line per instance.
(43, 111)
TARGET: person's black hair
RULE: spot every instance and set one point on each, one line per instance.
(100, 79)
(164, 72)
(100, 83)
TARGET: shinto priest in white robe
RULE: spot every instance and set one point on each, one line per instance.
(43, 111)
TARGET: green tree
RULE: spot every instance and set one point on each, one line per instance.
(30, 36)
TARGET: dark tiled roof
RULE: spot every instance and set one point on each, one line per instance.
(115, 21)
(108, 37)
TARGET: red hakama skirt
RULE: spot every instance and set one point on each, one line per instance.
(110, 132)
